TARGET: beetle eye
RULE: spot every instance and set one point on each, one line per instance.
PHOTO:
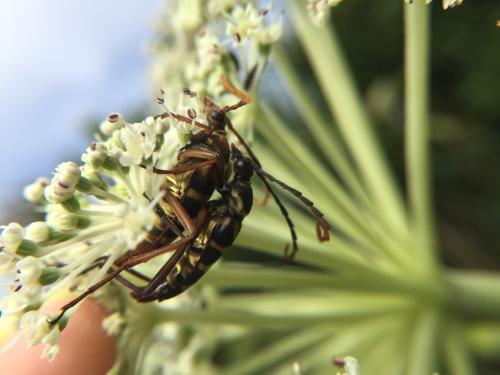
(217, 115)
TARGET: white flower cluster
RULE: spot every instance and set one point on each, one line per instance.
(39, 331)
(319, 10)
(96, 211)
(230, 37)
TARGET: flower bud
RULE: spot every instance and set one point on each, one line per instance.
(29, 270)
(36, 325)
(66, 222)
(38, 232)
(56, 197)
(112, 123)
(95, 156)
(67, 174)
(35, 191)
(161, 124)
(12, 236)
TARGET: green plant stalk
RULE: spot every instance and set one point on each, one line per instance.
(327, 60)
(422, 356)
(325, 137)
(457, 356)
(332, 148)
(475, 294)
(358, 339)
(484, 339)
(275, 321)
(390, 347)
(417, 128)
(280, 351)
(363, 281)
(328, 193)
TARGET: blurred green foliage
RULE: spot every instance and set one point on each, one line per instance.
(465, 112)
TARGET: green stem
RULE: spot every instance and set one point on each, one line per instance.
(238, 276)
(475, 294)
(422, 359)
(351, 217)
(327, 60)
(457, 355)
(484, 339)
(282, 350)
(417, 127)
(321, 131)
(276, 321)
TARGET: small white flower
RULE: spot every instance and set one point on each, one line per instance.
(112, 123)
(7, 264)
(29, 270)
(61, 219)
(51, 341)
(53, 197)
(50, 352)
(319, 10)
(349, 364)
(13, 303)
(63, 184)
(451, 3)
(189, 15)
(114, 323)
(139, 141)
(12, 236)
(159, 124)
(67, 174)
(209, 51)
(244, 22)
(138, 218)
(270, 34)
(35, 191)
(38, 231)
(216, 7)
(36, 325)
(95, 156)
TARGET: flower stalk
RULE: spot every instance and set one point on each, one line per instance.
(417, 128)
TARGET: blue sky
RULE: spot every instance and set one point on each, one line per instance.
(61, 63)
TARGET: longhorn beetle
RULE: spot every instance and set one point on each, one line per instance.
(211, 226)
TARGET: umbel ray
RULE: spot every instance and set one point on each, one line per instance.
(196, 229)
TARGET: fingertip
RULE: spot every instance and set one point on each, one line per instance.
(85, 348)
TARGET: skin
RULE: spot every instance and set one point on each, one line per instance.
(85, 347)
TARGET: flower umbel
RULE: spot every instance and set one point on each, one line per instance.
(95, 213)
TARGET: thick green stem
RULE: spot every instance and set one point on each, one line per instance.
(335, 79)
(422, 359)
(417, 127)
(280, 351)
(320, 129)
(475, 294)
(457, 354)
